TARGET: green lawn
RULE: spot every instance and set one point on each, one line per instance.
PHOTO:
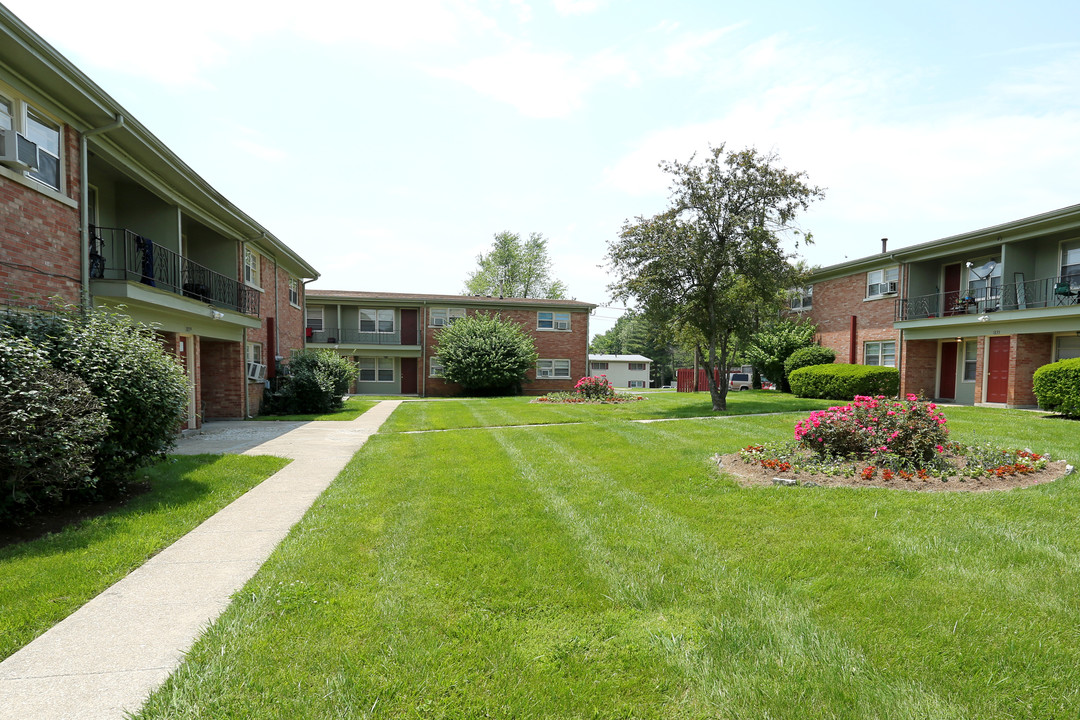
(45, 580)
(488, 412)
(607, 570)
(354, 408)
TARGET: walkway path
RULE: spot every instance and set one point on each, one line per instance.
(105, 658)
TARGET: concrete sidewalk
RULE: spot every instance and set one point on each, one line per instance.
(105, 658)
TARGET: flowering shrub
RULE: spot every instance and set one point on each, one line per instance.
(872, 427)
(595, 388)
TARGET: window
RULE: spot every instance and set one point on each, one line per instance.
(984, 280)
(254, 352)
(256, 370)
(376, 369)
(882, 282)
(552, 321)
(599, 366)
(294, 292)
(441, 317)
(39, 129)
(380, 321)
(315, 317)
(636, 384)
(436, 367)
(971, 348)
(251, 267)
(1067, 347)
(803, 298)
(553, 368)
(880, 353)
(635, 366)
(1070, 264)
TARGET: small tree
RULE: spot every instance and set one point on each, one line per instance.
(486, 354)
(317, 383)
(771, 346)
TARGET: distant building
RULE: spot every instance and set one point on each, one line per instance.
(622, 371)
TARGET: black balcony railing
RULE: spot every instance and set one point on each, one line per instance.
(1028, 295)
(120, 254)
(352, 336)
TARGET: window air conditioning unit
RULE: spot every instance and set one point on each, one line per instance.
(562, 325)
(438, 322)
(16, 152)
(890, 288)
(256, 371)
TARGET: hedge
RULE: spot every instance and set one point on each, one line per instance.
(844, 382)
(1057, 387)
(809, 356)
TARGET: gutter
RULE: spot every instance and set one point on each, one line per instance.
(84, 201)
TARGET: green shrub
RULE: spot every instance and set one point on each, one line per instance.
(1057, 387)
(844, 382)
(773, 344)
(486, 354)
(808, 357)
(142, 389)
(50, 425)
(316, 384)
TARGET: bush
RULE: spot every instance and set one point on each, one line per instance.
(595, 388)
(486, 354)
(316, 383)
(1057, 387)
(843, 382)
(876, 427)
(142, 389)
(50, 425)
(808, 357)
(771, 346)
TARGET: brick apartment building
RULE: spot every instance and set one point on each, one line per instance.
(94, 207)
(966, 319)
(394, 337)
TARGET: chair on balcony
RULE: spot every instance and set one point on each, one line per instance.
(1064, 294)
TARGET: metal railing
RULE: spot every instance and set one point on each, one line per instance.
(120, 254)
(353, 336)
(1031, 294)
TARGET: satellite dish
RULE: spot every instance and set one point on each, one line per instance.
(984, 270)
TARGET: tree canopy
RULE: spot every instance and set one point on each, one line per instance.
(714, 259)
(486, 354)
(515, 268)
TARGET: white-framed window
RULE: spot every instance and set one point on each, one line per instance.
(552, 320)
(635, 366)
(553, 368)
(802, 298)
(375, 369)
(315, 318)
(38, 128)
(254, 352)
(1070, 264)
(599, 366)
(376, 321)
(256, 370)
(984, 283)
(635, 384)
(441, 317)
(436, 367)
(971, 354)
(880, 353)
(251, 268)
(882, 282)
(294, 292)
(1067, 347)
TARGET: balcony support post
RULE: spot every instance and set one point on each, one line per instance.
(84, 204)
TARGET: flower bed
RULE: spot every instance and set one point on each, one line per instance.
(576, 398)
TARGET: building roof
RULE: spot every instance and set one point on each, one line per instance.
(619, 358)
(428, 299)
(70, 93)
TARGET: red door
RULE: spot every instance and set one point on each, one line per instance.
(408, 373)
(947, 371)
(952, 289)
(408, 328)
(997, 371)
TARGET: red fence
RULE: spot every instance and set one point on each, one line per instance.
(685, 380)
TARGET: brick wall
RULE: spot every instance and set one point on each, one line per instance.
(572, 345)
(221, 379)
(40, 239)
(836, 301)
(980, 368)
(918, 368)
(1027, 354)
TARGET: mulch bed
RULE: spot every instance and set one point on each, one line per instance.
(752, 474)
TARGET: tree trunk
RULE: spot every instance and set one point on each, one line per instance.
(718, 391)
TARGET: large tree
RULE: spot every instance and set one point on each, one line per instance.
(715, 257)
(515, 268)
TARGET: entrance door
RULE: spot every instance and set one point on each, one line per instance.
(952, 289)
(408, 327)
(947, 371)
(186, 353)
(997, 371)
(408, 375)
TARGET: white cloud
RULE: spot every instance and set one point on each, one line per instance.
(690, 53)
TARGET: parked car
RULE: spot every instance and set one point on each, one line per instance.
(740, 381)
(767, 384)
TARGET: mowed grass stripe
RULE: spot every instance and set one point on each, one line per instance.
(743, 645)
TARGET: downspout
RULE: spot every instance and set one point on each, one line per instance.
(84, 201)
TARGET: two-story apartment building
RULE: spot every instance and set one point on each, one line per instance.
(394, 337)
(967, 318)
(94, 208)
(622, 371)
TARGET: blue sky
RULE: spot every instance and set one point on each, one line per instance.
(388, 141)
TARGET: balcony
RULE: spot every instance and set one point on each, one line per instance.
(352, 336)
(120, 254)
(1029, 295)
